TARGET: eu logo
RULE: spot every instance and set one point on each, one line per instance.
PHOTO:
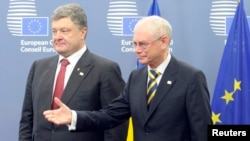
(35, 26)
(129, 24)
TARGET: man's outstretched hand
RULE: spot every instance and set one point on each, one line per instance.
(60, 116)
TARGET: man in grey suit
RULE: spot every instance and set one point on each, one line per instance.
(91, 82)
(180, 108)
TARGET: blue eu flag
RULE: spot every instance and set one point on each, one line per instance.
(231, 99)
(154, 10)
(34, 26)
(229, 21)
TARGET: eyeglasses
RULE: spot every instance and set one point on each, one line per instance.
(143, 45)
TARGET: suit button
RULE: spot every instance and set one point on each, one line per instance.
(53, 131)
(147, 131)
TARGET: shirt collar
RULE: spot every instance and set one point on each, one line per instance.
(75, 56)
(161, 68)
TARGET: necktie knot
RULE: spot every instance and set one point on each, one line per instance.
(64, 62)
(153, 74)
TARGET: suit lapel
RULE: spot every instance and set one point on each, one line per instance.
(79, 73)
(49, 76)
(167, 82)
(143, 90)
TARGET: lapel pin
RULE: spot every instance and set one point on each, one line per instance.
(169, 82)
(78, 69)
(81, 73)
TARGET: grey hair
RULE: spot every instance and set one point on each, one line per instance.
(74, 11)
(157, 25)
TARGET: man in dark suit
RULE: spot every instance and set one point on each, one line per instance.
(180, 108)
(91, 82)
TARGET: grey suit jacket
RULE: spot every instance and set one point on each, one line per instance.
(180, 110)
(100, 83)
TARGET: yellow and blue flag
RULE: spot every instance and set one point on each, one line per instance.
(231, 99)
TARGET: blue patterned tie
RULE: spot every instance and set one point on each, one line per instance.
(152, 85)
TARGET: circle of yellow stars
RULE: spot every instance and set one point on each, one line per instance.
(34, 26)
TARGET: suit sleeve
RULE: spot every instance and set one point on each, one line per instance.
(112, 85)
(198, 107)
(26, 122)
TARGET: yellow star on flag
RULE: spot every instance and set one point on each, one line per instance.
(228, 96)
(237, 85)
(216, 118)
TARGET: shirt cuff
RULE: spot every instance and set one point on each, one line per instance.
(72, 126)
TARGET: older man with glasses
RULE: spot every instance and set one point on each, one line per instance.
(179, 109)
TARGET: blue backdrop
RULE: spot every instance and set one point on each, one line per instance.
(199, 34)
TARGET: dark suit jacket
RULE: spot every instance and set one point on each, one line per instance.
(101, 83)
(180, 110)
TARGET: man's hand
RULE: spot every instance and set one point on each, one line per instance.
(60, 116)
